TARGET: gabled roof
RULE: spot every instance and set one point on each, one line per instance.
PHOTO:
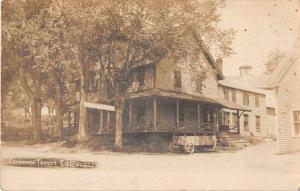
(202, 46)
(246, 83)
(279, 73)
(283, 68)
(208, 55)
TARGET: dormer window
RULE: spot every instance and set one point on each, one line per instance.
(177, 79)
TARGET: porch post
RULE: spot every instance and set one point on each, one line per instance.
(198, 115)
(154, 114)
(108, 120)
(129, 113)
(69, 119)
(217, 119)
(101, 121)
(177, 114)
(238, 121)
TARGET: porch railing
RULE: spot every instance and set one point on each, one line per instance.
(164, 126)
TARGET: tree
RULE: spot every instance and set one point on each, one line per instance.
(17, 58)
(54, 56)
(274, 59)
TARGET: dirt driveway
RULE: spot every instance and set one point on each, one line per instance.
(253, 168)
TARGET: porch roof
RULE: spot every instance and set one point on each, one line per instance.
(170, 94)
(231, 105)
(185, 96)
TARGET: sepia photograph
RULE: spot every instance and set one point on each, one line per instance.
(150, 95)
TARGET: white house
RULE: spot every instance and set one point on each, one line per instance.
(285, 81)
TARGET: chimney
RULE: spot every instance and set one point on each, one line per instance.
(219, 62)
(245, 70)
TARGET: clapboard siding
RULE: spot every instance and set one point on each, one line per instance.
(210, 84)
(288, 101)
(165, 78)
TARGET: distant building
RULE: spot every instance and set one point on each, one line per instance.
(246, 90)
(285, 81)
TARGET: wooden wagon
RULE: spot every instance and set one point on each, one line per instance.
(188, 143)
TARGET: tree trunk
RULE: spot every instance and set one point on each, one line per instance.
(83, 130)
(36, 108)
(59, 119)
(34, 93)
(119, 123)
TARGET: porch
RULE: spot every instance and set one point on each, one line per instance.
(163, 111)
(167, 111)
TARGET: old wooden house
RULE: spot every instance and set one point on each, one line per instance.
(161, 99)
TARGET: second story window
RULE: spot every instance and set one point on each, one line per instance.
(92, 81)
(177, 79)
(226, 93)
(199, 86)
(271, 111)
(110, 92)
(246, 98)
(77, 85)
(141, 76)
(233, 94)
(256, 100)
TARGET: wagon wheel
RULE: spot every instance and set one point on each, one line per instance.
(189, 148)
(171, 147)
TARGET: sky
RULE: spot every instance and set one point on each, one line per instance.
(262, 26)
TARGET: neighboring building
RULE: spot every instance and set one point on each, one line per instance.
(285, 82)
(245, 90)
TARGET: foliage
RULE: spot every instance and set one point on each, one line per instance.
(49, 43)
(274, 59)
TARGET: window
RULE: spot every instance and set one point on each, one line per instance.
(246, 122)
(227, 118)
(234, 119)
(271, 111)
(92, 81)
(226, 93)
(110, 92)
(257, 100)
(177, 79)
(245, 98)
(297, 122)
(181, 114)
(77, 85)
(199, 86)
(141, 112)
(257, 123)
(141, 76)
(233, 94)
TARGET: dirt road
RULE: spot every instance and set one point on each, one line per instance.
(255, 167)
